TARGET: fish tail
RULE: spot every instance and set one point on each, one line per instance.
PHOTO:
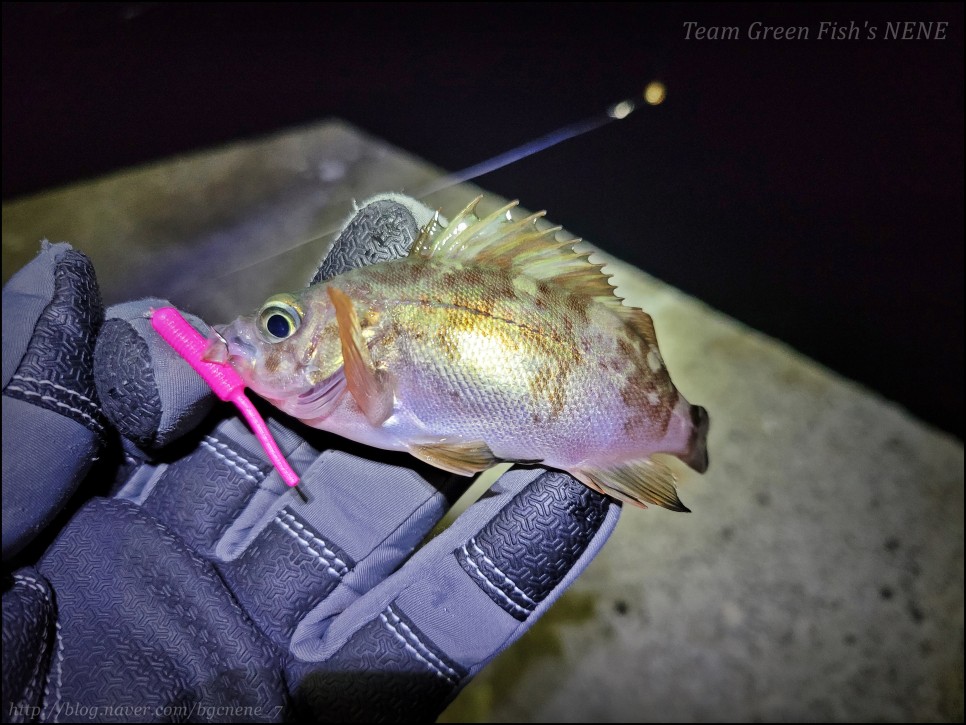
(648, 480)
(696, 453)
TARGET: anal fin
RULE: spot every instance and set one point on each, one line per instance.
(463, 458)
(637, 482)
(369, 385)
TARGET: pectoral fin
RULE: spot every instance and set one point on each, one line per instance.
(462, 458)
(369, 385)
(637, 482)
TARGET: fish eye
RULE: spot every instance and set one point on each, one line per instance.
(278, 320)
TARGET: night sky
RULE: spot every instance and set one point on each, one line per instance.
(810, 187)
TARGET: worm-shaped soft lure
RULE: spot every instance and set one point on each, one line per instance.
(225, 382)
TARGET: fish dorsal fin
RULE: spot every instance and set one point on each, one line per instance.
(497, 240)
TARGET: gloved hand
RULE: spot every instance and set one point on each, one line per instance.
(204, 589)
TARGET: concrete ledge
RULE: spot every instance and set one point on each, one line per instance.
(820, 576)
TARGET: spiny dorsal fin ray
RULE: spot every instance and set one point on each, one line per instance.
(496, 240)
(431, 229)
(430, 243)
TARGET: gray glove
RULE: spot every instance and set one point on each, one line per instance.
(205, 590)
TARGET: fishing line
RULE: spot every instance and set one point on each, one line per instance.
(653, 95)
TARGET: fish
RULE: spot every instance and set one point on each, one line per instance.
(491, 341)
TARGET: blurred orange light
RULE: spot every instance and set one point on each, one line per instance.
(655, 93)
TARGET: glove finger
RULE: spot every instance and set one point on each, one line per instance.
(471, 592)
(151, 395)
(52, 423)
(29, 622)
(381, 229)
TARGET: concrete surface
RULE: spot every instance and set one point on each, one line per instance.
(820, 576)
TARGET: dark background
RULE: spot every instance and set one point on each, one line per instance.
(811, 188)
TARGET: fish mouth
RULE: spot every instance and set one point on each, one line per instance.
(224, 344)
(217, 349)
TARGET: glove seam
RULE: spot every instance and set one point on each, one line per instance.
(492, 587)
(306, 543)
(23, 391)
(233, 464)
(409, 647)
(34, 681)
(59, 659)
(450, 674)
(39, 381)
(516, 589)
(311, 535)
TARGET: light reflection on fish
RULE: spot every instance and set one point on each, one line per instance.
(490, 342)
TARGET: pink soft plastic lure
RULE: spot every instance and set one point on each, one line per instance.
(223, 380)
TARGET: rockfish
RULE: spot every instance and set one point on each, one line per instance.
(490, 342)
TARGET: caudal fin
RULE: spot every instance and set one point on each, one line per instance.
(651, 481)
(696, 454)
